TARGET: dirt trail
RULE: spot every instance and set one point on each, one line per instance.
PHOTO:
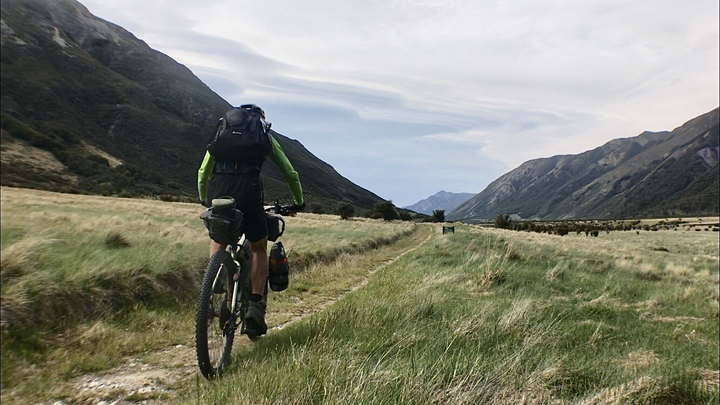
(153, 378)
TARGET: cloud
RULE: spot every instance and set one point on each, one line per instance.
(439, 94)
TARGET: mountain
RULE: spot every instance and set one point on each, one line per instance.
(89, 108)
(653, 174)
(442, 200)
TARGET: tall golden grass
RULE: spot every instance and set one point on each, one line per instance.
(90, 254)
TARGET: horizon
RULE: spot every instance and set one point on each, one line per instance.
(423, 91)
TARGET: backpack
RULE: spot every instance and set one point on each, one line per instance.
(242, 136)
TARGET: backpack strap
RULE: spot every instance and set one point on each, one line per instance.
(215, 133)
(235, 168)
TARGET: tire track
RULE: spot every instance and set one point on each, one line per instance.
(324, 305)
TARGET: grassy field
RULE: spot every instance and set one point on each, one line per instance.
(479, 316)
(89, 253)
(88, 279)
(501, 317)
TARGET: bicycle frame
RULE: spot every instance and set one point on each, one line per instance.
(234, 250)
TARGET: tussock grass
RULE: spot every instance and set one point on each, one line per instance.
(558, 271)
(90, 254)
(480, 316)
(115, 240)
(498, 260)
(329, 249)
(15, 260)
(566, 325)
(648, 390)
(87, 280)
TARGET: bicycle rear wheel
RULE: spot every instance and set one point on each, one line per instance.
(215, 325)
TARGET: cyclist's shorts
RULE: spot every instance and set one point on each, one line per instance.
(247, 190)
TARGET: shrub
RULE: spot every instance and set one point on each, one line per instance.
(97, 159)
(502, 221)
(405, 216)
(316, 208)
(387, 210)
(345, 210)
(438, 216)
(66, 135)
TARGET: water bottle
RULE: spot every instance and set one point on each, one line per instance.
(279, 269)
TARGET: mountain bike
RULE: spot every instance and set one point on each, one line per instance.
(226, 287)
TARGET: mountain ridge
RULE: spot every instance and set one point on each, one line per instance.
(652, 174)
(442, 200)
(116, 116)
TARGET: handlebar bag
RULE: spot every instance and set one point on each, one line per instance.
(274, 229)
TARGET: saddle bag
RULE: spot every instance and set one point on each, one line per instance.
(223, 221)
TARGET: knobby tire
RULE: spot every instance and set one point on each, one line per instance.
(212, 345)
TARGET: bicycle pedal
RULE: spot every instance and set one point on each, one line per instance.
(230, 326)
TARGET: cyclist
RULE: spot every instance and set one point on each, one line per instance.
(241, 180)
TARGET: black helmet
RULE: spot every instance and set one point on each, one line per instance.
(253, 108)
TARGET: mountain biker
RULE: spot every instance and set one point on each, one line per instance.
(241, 180)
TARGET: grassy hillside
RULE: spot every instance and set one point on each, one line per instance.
(82, 87)
(114, 117)
(479, 316)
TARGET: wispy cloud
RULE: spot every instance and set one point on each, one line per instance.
(444, 94)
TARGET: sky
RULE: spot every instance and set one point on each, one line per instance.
(407, 98)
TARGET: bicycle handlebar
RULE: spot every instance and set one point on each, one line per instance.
(286, 210)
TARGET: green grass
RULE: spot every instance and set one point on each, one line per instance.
(89, 252)
(38, 364)
(483, 317)
(479, 316)
(88, 281)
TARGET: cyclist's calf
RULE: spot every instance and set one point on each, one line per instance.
(259, 269)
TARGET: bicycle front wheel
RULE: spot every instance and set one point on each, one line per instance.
(215, 325)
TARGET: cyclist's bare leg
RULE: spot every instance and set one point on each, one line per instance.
(260, 263)
(259, 269)
(216, 247)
